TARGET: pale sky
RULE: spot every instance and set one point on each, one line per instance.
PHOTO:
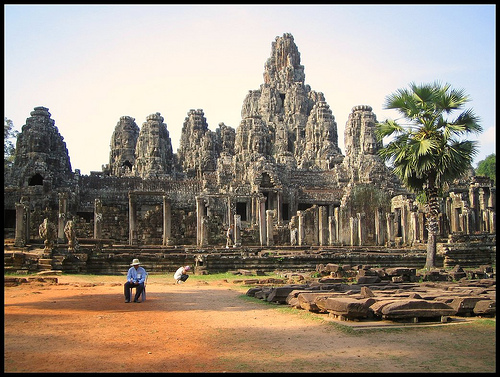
(91, 64)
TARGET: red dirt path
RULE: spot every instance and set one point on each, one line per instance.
(82, 324)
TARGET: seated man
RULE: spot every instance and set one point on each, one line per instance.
(135, 279)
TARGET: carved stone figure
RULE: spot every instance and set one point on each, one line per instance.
(69, 231)
(47, 232)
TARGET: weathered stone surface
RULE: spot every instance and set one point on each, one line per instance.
(307, 300)
(485, 307)
(280, 294)
(123, 143)
(414, 308)
(198, 150)
(41, 156)
(47, 232)
(392, 301)
(155, 158)
(464, 305)
(368, 279)
(349, 307)
(366, 292)
(251, 292)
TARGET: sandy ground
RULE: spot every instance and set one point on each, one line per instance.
(82, 324)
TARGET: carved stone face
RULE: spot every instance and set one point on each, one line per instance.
(370, 147)
(258, 145)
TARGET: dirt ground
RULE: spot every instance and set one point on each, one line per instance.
(82, 324)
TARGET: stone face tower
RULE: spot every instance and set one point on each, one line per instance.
(285, 121)
(153, 151)
(198, 147)
(41, 156)
(123, 142)
(362, 163)
(225, 140)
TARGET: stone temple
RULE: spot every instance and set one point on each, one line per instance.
(280, 178)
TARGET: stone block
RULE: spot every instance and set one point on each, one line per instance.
(349, 307)
(307, 300)
(368, 279)
(279, 294)
(414, 308)
(330, 267)
(485, 307)
(464, 306)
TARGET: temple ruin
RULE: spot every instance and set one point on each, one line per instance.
(280, 178)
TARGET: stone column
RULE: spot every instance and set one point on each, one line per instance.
(132, 238)
(279, 199)
(22, 235)
(379, 228)
(483, 199)
(361, 228)
(404, 224)
(229, 214)
(322, 225)
(336, 216)
(352, 230)
(167, 221)
(254, 212)
(493, 224)
(237, 231)
(413, 228)
(331, 231)
(61, 221)
(492, 198)
(301, 234)
(486, 221)
(455, 220)
(262, 221)
(269, 229)
(315, 229)
(465, 220)
(390, 229)
(200, 214)
(421, 227)
(473, 205)
(98, 219)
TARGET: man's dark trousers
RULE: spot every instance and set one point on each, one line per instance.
(138, 290)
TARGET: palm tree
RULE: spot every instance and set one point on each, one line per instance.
(427, 153)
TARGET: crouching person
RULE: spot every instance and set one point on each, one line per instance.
(181, 275)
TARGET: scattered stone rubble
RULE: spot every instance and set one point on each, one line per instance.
(362, 293)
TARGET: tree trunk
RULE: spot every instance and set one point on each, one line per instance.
(430, 261)
(432, 227)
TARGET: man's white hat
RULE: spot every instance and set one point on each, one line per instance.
(135, 262)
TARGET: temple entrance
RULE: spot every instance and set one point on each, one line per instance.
(36, 180)
(241, 209)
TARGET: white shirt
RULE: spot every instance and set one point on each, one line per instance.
(178, 273)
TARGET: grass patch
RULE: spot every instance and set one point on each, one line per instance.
(303, 314)
(230, 277)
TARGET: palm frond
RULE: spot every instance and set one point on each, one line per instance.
(470, 121)
(451, 99)
(387, 128)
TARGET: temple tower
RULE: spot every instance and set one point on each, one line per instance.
(122, 146)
